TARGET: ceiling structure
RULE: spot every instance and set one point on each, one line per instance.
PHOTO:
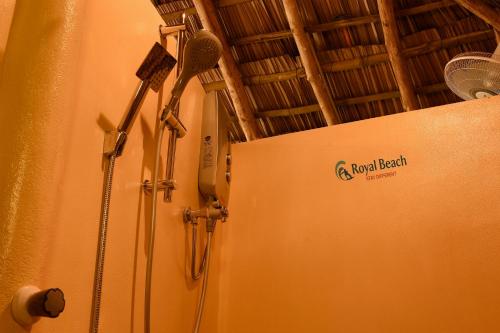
(294, 65)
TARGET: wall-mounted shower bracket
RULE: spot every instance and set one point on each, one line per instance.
(114, 141)
(147, 186)
(174, 124)
(170, 30)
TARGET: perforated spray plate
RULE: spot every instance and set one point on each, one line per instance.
(156, 66)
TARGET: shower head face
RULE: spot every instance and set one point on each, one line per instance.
(156, 67)
(201, 53)
(153, 72)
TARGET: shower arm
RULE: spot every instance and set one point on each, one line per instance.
(114, 141)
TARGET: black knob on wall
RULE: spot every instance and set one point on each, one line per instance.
(46, 303)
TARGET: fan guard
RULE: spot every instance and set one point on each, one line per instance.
(474, 75)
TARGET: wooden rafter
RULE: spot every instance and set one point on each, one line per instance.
(227, 3)
(434, 88)
(396, 58)
(360, 62)
(343, 23)
(310, 62)
(482, 10)
(208, 16)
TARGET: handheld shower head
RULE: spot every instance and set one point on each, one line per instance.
(152, 72)
(201, 53)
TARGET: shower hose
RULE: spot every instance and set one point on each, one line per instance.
(152, 231)
(103, 230)
(205, 266)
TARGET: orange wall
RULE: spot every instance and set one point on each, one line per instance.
(6, 13)
(69, 74)
(417, 252)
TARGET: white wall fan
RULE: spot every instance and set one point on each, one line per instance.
(473, 75)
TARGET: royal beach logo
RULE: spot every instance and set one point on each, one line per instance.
(376, 169)
(342, 172)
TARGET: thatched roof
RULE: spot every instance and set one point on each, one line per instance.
(362, 69)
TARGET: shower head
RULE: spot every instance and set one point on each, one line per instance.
(201, 53)
(152, 72)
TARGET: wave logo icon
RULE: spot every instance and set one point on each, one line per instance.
(342, 172)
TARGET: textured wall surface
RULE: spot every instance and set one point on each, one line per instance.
(6, 12)
(418, 251)
(64, 83)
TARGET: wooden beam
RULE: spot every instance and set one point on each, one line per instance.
(343, 23)
(289, 112)
(208, 16)
(227, 3)
(398, 62)
(310, 62)
(434, 88)
(275, 35)
(482, 10)
(424, 48)
(178, 14)
(425, 8)
(361, 62)
(258, 79)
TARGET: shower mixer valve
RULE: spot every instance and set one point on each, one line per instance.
(213, 211)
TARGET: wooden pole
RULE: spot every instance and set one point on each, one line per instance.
(208, 16)
(310, 62)
(398, 62)
(482, 10)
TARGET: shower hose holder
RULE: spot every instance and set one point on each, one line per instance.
(114, 141)
(147, 186)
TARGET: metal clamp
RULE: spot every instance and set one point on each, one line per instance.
(147, 186)
(174, 124)
(169, 30)
(114, 141)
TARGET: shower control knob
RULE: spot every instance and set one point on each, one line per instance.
(30, 303)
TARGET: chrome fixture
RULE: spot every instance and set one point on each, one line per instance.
(174, 133)
(153, 72)
(213, 212)
(201, 53)
(30, 303)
